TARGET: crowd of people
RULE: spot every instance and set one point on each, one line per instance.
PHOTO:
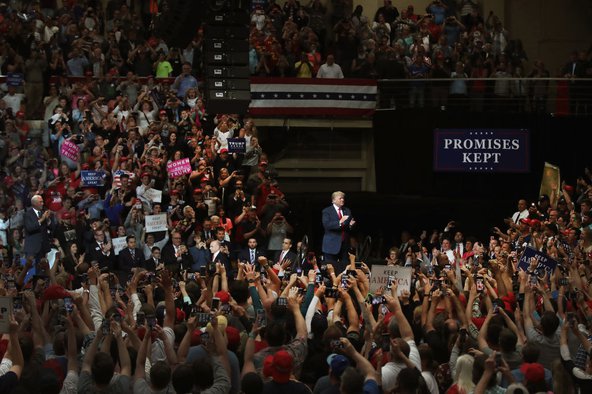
(216, 296)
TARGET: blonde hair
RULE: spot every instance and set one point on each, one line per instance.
(464, 373)
(336, 195)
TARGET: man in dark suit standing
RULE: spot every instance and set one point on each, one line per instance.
(218, 256)
(175, 255)
(39, 226)
(285, 257)
(251, 253)
(337, 222)
(101, 250)
(129, 257)
(154, 260)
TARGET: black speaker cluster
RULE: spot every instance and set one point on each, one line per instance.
(226, 57)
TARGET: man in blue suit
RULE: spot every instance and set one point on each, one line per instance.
(337, 222)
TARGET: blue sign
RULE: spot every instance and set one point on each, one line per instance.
(237, 145)
(14, 79)
(544, 262)
(92, 178)
(481, 150)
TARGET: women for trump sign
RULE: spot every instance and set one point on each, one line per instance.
(481, 150)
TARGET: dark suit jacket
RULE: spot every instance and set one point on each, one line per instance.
(127, 262)
(172, 262)
(245, 255)
(222, 259)
(37, 235)
(292, 256)
(333, 231)
(95, 254)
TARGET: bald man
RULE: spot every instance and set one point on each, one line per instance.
(39, 227)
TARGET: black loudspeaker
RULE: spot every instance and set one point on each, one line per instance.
(233, 32)
(226, 45)
(179, 21)
(227, 72)
(229, 84)
(226, 57)
(228, 101)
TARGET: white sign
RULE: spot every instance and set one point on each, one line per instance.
(155, 223)
(118, 244)
(5, 311)
(153, 195)
(380, 274)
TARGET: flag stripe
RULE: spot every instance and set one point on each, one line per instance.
(310, 111)
(309, 104)
(302, 96)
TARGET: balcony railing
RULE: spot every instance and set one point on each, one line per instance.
(558, 96)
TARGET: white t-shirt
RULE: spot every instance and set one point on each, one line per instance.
(430, 382)
(14, 101)
(391, 370)
(330, 71)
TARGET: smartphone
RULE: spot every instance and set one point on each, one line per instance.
(318, 279)
(331, 293)
(385, 309)
(344, 282)
(479, 284)
(336, 345)
(226, 309)
(205, 338)
(261, 319)
(17, 303)
(563, 282)
(215, 303)
(191, 276)
(298, 271)
(571, 318)
(282, 301)
(194, 311)
(358, 265)
(10, 284)
(389, 282)
(151, 322)
(140, 318)
(378, 300)
(105, 327)
(69, 304)
(353, 273)
(447, 267)
(117, 317)
(534, 279)
(203, 318)
(498, 359)
(385, 342)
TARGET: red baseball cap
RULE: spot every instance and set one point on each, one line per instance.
(279, 366)
(533, 372)
(224, 296)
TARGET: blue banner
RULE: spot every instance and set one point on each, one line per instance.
(481, 150)
(544, 261)
(237, 145)
(92, 178)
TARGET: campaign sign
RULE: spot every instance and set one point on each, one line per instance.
(380, 273)
(155, 223)
(70, 150)
(544, 261)
(14, 79)
(481, 150)
(118, 244)
(179, 168)
(92, 178)
(153, 195)
(237, 145)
